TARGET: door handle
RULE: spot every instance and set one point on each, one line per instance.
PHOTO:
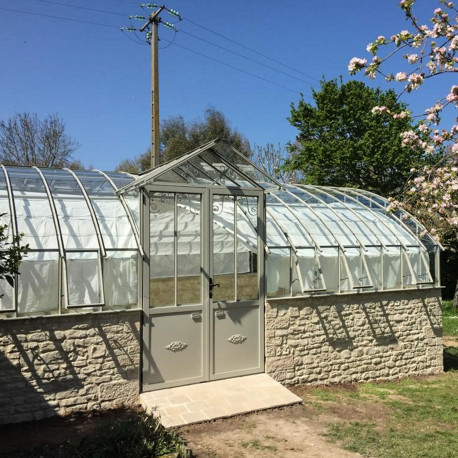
(212, 285)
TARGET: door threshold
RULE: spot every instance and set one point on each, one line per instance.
(207, 401)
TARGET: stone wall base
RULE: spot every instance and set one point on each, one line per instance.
(354, 338)
(59, 365)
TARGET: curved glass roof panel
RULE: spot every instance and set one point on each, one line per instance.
(33, 212)
(76, 224)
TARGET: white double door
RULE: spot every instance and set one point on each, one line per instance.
(204, 319)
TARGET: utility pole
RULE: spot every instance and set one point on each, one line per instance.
(154, 20)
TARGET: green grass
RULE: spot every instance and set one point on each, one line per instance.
(257, 445)
(135, 437)
(408, 418)
(450, 319)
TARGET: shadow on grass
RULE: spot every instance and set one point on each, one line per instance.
(450, 359)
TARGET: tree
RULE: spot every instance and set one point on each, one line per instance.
(341, 143)
(11, 254)
(426, 51)
(179, 137)
(27, 140)
(271, 158)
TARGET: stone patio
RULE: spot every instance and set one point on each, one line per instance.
(222, 398)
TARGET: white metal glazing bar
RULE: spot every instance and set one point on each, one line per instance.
(95, 221)
(55, 217)
(357, 192)
(317, 245)
(293, 247)
(14, 228)
(127, 210)
(324, 190)
(339, 218)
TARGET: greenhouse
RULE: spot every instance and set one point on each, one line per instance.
(200, 250)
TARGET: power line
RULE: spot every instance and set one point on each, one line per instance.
(241, 55)
(250, 49)
(235, 68)
(60, 17)
(199, 38)
(69, 5)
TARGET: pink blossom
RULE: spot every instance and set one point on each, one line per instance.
(400, 76)
(356, 64)
(379, 110)
(452, 96)
(415, 80)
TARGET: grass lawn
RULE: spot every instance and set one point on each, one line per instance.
(450, 319)
(416, 417)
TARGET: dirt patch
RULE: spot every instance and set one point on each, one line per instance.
(291, 432)
(450, 341)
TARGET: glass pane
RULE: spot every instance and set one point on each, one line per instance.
(329, 261)
(162, 249)
(76, 225)
(33, 211)
(244, 165)
(189, 275)
(38, 284)
(112, 218)
(223, 248)
(373, 257)
(419, 267)
(356, 276)
(132, 199)
(119, 179)
(219, 171)
(278, 270)
(392, 268)
(310, 270)
(84, 283)
(120, 275)
(7, 296)
(247, 248)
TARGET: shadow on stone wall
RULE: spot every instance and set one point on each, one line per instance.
(30, 405)
(380, 325)
(355, 337)
(59, 365)
(336, 331)
(434, 316)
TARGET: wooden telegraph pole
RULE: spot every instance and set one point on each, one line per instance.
(155, 141)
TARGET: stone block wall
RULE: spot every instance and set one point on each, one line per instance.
(58, 365)
(354, 338)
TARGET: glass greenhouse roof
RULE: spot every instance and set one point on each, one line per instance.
(213, 164)
(83, 230)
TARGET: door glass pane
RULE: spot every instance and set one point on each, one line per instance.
(223, 248)
(189, 276)
(247, 248)
(162, 249)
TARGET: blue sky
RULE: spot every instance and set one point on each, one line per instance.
(97, 78)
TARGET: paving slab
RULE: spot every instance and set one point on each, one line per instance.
(189, 404)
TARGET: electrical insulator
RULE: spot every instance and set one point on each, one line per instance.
(174, 13)
(137, 16)
(169, 25)
(128, 29)
(148, 5)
